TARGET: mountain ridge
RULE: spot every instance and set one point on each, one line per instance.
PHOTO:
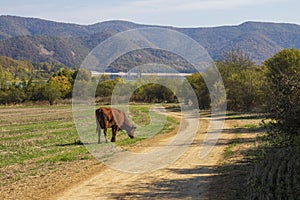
(69, 43)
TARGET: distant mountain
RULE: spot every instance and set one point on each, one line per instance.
(11, 26)
(65, 50)
(40, 40)
(258, 39)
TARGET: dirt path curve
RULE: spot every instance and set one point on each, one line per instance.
(186, 178)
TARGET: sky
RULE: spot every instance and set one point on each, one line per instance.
(178, 13)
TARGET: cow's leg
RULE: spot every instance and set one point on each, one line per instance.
(105, 135)
(114, 133)
(98, 130)
(105, 131)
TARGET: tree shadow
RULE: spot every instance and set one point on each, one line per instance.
(225, 142)
(172, 188)
(248, 116)
(243, 130)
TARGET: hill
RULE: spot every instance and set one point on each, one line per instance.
(40, 40)
(258, 39)
(17, 68)
(60, 50)
(11, 69)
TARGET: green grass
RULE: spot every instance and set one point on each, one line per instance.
(248, 127)
(35, 133)
(127, 141)
(168, 126)
(41, 134)
(140, 114)
(228, 151)
(39, 139)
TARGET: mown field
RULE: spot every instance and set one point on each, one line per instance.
(40, 138)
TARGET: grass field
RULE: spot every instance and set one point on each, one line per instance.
(39, 136)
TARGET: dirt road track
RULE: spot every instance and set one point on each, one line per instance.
(187, 178)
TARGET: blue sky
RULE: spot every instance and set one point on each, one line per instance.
(180, 13)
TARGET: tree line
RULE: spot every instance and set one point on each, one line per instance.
(248, 86)
(272, 87)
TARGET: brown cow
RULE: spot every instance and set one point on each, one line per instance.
(114, 119)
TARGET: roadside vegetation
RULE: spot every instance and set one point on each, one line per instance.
(270, 167)
(276, 174)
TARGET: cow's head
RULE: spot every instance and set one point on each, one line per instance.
(131, 132)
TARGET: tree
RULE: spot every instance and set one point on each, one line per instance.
(283, 83)
(34, 89)
(5, 77)
(157, 93)
(63, 83)
(3, 97)
(105, 88)
(81, 75)
(198, 84)
(51, 92)
(243, 82)
(15, 94)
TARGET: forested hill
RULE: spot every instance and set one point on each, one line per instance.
(40, 40)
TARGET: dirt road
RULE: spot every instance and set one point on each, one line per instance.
(186, 178)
